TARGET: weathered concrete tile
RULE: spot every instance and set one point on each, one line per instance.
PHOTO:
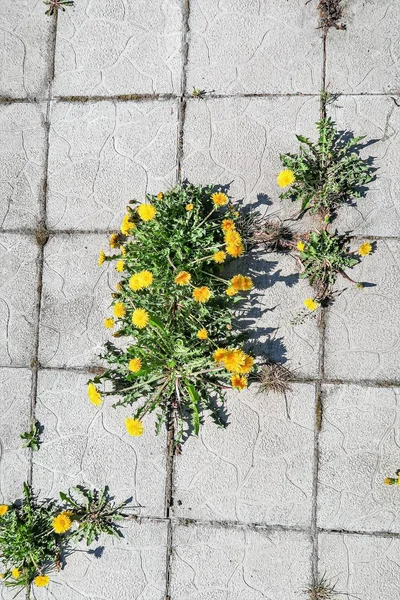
(361, 566)
(238, 141)
(22, 164)
(18, 298)
(362, 333)
(359, 447)
(259, 469)
(94, 448)
(364, 58)
(25, 49)
(112, 47)
(103, 154)
(254, 47)
(212, 563)
(378, 118)
(272, 307)
(75, 299)
(129, 568)
(15, 390)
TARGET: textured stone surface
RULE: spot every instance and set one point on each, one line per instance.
(128, 568)
(104, 154)
(22, 164)
(359, 447)
(251, 47)
(362, 566)
(259, 469)
(95, 449)
(237, 141)
(15, 391)
(18, 298)
(362, 336)
(211, 563)
(75, 300)
(378, 118)
(25, 49)
(365, 58)
(114, 47)
(276, 301)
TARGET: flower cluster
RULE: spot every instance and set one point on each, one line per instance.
(174, 306)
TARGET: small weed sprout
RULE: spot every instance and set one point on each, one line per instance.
(325, 174)
(32, 437)
(323, 258)
(198, 93)
(95, 512)
(56, 5)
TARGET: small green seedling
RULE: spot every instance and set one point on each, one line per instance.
(32, 437)
(56, 5)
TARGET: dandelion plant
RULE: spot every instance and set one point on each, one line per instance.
(325, 174)
(175, 308)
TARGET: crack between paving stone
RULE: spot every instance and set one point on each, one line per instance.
(41, 236)
(169, 492)
(5, 100)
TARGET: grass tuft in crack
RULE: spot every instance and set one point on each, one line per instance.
(322, 589)
(274, 377)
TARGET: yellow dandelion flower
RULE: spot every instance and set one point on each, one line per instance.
(146, 212)
(232, 237)
(247, 364)
(228, 225)
(109, 323)
(202, 334)
(2, 575)
(146, 278)
(300, 245)
(238, 282)
(365, 249)
(219, 257)
(94, 394)
(234, 360)
(118, 287)
(160, 196)
(389, 481)
(201, 294)
(15, 573)
(231, 291)
(133, 426)
(123, 250)
(239, 382)
(102, 258)
(119, 310)
(114, 240)
(189, 207)
(120, 265)
(3, 509)
(311, 304)
(41, 581)
(183, 278)
(247, 284)
(285, 178)
(140, 280)
(219, 199)
(219, 354)
(134, 365)
(62, 522)
(235, 250)
(140, 318)
(127, 226)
